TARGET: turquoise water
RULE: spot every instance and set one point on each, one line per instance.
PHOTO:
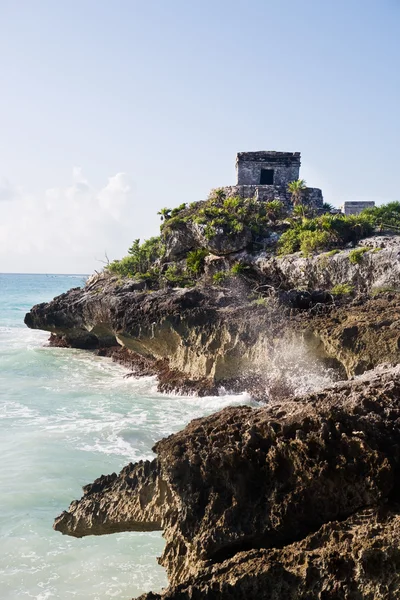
(67, 417)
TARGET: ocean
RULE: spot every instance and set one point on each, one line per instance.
(66, 417)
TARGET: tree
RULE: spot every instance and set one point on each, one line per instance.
(296, 189)
(165, 213)
(327, 208)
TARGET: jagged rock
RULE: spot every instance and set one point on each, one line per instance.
(248, 479)
(220, 242)
(360, 335)
(379, 267)
(356, 559)
(204, 334)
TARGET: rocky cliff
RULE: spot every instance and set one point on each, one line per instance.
(295, 500)
(201, 338)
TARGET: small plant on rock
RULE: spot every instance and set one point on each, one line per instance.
(357, 254)
(219, 277)
(342, 289)
(195, 260)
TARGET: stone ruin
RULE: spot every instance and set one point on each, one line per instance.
(265, 175)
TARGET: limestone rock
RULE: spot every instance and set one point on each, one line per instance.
(357, 559)
(249, 479)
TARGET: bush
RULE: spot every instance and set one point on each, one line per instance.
(387, 214)
(312, 241)
(195, 260)
(219, 277)
(342, 289)
(174, 276)
(238, 268)
(342, 230)
(141, 258)
(384, 290)
(357, 254)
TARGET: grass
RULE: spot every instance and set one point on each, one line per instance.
(342, 289)
(356, 255)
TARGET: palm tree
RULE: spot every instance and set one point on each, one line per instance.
(164, 213)
(327, 208)
(296, 189)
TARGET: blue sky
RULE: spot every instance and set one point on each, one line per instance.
(111, 110)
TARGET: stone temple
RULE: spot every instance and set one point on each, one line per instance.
(265, 175)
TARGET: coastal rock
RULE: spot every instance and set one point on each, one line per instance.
(377, 268)
(249, 479)
(199, 334)
(360, 335)
(356, 559)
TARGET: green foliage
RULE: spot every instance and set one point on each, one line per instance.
(195, 260)
(342, 289)
(165, 213)
(141, 258)
(332, 252)
(178, 209)
(238, 268)
(260, 301)
(219, 277)
(357, 254)
(230, 216)
(275, 209)
(176, 277)
(342, 230)
(312, 241)
(296, 189)
(326, 207)
(384, 290)
(386, 215)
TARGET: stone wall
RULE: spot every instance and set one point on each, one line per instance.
(355, 207)
(286, 167)
(266, 193)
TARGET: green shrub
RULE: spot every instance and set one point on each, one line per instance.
(195, 260)
(342, 230)
(238, 268)
(342, 289)
(260, 302)
(178, 209)
(357, 254)
(384, 290)
(219, 277)
(385, 215)
(312, 241)
(174, 276)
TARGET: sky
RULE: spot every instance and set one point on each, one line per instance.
(111, 110)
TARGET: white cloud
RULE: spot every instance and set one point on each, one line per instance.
(7, 190)
(66, 229)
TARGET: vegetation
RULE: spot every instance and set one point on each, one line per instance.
(357, 254)
(385, 216)
(140, 259)
(296, 189)
(219, 277)
(342, 289)
(165, 213)
(195, 260)
(338, 230)
(384, 290)
(230, 216)
(238, 268)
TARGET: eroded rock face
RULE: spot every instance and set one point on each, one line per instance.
(203, 336)
(356, 559)
(246, 479)
(378, 267)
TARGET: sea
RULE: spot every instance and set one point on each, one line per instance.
(67, 417)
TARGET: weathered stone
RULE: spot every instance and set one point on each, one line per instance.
(356, 559)
(244, 480)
